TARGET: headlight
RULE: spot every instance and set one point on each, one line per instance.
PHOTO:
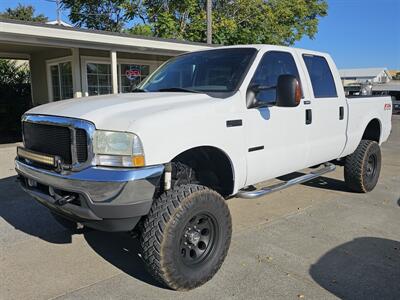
(118, 149)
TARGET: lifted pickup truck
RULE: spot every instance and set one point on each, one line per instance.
(204, 127)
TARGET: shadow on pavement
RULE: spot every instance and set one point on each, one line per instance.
(364, 268)
(23, 213)
(11, 138)
(122, 251)
(320, 182)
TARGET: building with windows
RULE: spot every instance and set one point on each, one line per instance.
(364, 75)
(67, 62)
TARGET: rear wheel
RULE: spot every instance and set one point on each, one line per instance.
(362, 168)
(186, 236)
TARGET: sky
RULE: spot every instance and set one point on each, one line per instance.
(356, 33)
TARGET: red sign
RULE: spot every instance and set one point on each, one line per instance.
(132, 74)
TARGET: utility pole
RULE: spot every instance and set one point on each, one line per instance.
(209, 21)
(58, 13)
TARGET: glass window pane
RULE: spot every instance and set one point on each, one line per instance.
(132, 75)
(99, 79)
(91, 68)
(198, 70)
(92, 79)
(145, 70)
(93, 90)
(55, 82)
(66, 80)
(104, 68)
(321, 76)
(272, 65)
(104, 80)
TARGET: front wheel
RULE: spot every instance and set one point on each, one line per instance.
(186, 236)
(362, 168)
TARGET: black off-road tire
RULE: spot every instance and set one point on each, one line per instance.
(164, 240)
(362, 168)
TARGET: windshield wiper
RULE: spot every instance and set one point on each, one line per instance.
(137, 90)
(177, 89)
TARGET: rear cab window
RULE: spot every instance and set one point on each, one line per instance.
(321, 76)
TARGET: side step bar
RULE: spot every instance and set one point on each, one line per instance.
(328, 167)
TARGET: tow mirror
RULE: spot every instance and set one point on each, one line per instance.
(288, 91)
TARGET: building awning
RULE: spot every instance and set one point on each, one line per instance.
(12, 31)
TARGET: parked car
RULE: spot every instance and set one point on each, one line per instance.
(396, 106)
(205, 126)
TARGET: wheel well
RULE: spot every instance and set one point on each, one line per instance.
(212, 167)
(373, 131)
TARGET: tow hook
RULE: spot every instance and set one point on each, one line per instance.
(66, 199)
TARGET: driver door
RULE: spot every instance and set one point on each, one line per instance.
(277, 139)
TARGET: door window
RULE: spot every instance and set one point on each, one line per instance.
(99, 78)
(321, 76)
(61, 80)
(272, 65)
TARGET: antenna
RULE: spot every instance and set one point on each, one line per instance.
(58, 10)
(58, 13)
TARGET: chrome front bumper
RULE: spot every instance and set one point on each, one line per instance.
(108, 199)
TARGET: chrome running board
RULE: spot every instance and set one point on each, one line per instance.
(328, 167)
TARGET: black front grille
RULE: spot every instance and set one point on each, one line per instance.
(81, 145)
(55, 140)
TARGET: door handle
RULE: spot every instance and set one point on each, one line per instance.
(308, 116)
(341, 113)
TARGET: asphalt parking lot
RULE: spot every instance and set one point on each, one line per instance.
(312, 241)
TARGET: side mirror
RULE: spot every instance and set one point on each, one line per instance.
(288, 91)
(251, 96)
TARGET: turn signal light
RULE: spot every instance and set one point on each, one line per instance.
(138, 160)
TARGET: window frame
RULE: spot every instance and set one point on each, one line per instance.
(303, 55)
(86, 76)
(153, 65)
(297, 64)
(57, 62)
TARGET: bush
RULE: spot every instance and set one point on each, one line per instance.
(15, 99)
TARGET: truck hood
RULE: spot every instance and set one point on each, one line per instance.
(119, 111)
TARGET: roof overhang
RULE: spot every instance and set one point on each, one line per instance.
(64, 37)
(387, 87)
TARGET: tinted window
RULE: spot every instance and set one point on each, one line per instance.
(272, 65)
(321, 76)
(206, 71)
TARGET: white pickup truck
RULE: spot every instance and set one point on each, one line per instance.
(205, 126)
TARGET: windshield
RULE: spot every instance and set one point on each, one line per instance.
(218, 70)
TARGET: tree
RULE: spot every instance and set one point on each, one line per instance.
(109, 15)
(12, 73)
(24, 13)
(234, 21)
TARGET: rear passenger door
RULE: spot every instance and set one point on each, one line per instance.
(327, 110)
